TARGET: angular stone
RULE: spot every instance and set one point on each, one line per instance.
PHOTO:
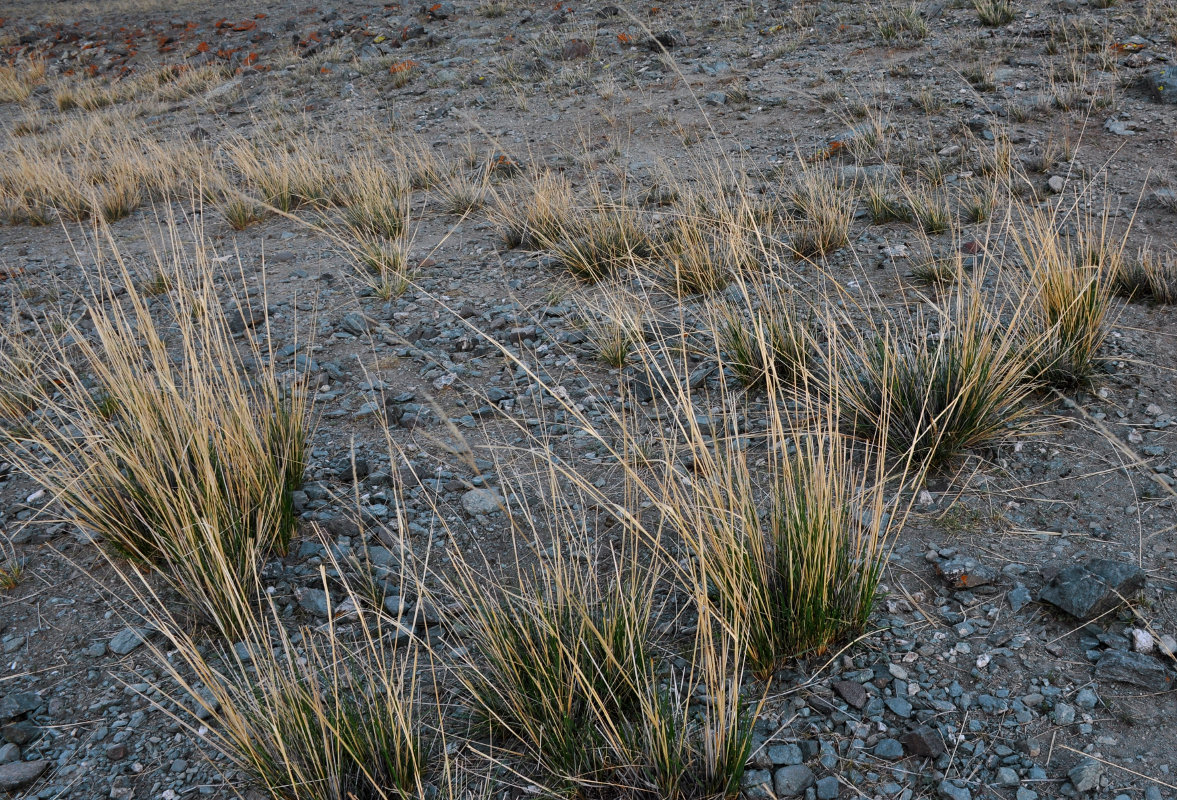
(757, 784)
(923, 742)
(889, 749)
(127, 640)
(1087, 590)
(481, 501)
(852, 692)
(1007, 777)
(899, 707)
(965, 573)
(353, 323)
(1018, 597)
(1163, 84)
(1086, 774)
(19, 774)
(1136, 669)
(315, 601)
(950, 791)
(18, 704)
(785, 755)
(792, 781)
(20, 733)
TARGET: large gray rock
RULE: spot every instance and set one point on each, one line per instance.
(923, 741)
(757, 784)
(19, 774)
(353, 323)
(127, 640)
(18, 704)
(481, 501)
(1087, 590)
(1086, 774)
(950, 791)
(1136, 669)
(1163, 84)
(965, 572)
(792, 781)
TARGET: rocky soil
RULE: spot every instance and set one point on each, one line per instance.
(1002, 663)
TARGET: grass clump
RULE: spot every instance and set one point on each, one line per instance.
(764, 347)
(375, 199)
(17, 81)
(932, 389)
(930, 210)
(240, 211)
(614, 322)
(609, 239)
(1071, 284)
(904, 26)
(159, 442)
(825, 212)
(567, 670)
(883, 205)
(1151, 274)
(994, 13)
(701, 256)
(790, 551)
(381, 263)
(331, 712)
(535, 216)
(287, 177)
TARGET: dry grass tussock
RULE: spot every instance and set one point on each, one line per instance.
(100, 167)
(17, 81)
(149, 429)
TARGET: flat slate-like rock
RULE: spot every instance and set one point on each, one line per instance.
(19, 774)
(1087, 590)
(1163, 84)
(18, 704)
(1136, 669)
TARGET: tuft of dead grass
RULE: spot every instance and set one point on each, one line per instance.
(158, 441)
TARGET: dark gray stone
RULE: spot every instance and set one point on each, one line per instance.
(899, 706)
(21, 732)
(950, 791)
(127, 640)
(481, 501)
(315, 601)
(668, 39)
(889, 749)
(852, 692)
(19, 774)
(1137, 669)
(353, 323)
(828, 788)
(1088, 590)
(1086, 774)
(964, 572)
(1018, 597)
(784, 755)
(923, 742)
(9, 753)
(1163, 84)
(757, 784)
(793, 780)
(18, 704)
